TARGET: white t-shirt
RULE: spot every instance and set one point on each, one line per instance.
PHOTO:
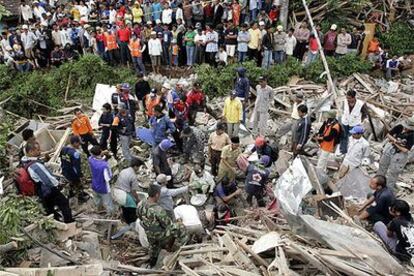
(187, 214)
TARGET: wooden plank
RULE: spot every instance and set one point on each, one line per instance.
(255, 256)
(364, 83)
(187, 270)
(239, 257)
(83, 270)
(61, 144)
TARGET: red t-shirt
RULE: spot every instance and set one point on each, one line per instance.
(124, 35)
(313, 44)
(195, 97)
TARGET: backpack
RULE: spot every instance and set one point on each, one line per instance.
(24, 183)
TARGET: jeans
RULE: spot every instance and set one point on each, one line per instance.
(125, 141)
(104, 200)
(86, 139)
(267, 59)
(253, 15)
(311, 57)
(166, 54)
(343, 146)
(279, 56)
(25, 67)
(138, 65)
(124, 52)
(242, 56)
(190, 55)
(199, 54)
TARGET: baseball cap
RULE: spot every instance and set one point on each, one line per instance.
(261, 23)
(279, 28)
(260, 141)
(265, 160)
(357, 130)
(333, 27)
(162, 178)
(125, 86)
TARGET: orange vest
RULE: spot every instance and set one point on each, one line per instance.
(150, 104)
(135, 48)
(373, 46)
(329, 146)
(111, 42)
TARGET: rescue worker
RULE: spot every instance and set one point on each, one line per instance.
(395, 154)
(151, 100)
(136, 54)
(124, 125)
(82, 128)
(354, 112)
(256, 179)
(161, 232)
(70, 158)
(328, 137)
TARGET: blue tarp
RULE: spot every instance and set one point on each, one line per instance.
(146, 135)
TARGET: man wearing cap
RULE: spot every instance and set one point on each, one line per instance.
(256, 179)
(395, 154)
(151, 101)
(29, 41)
(242, 87)
(159, 158)
(263, 148)
(229, 155)
(161, 231)
(124, 124)
(354, 112)
(166, 200)
(155, 51)
(233, 114)
(358, 152)
(328, 137)
(193, 144)
(329, 41)
(279, 44)
(261, 107)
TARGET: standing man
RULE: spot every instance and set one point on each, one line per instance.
(142, 88)
(196, 101)
(243, 38)
(229, 155)
(136, 54)
(161, 231)
(328, 137)
(230, 39)
(329, 41)
(212, 39)
(242, 87)
(254, 43)
(302, 131)
(82, 128)
(233, 114)
(125, 129)
(70, 158)
(155, 51)
(124, 35)
(343, 40)
(216, 142)
(267, 46)
(47, 184)
(279, 43)
(261, 107)
(354, 112)
(395, 154)
(358, 152)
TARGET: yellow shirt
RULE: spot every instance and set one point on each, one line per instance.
(137, 13)
(254, 38)
(233, 110)
(76, 14)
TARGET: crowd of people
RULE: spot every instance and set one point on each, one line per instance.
(175, 33)
(171, 131)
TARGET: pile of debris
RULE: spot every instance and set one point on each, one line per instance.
(286, 242)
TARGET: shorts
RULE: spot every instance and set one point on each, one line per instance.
(156, 60)
(231, 50)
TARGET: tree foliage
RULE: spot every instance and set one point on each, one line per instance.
(399, 39)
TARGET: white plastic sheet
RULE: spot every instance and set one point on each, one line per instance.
(292, 186)
(103, 94)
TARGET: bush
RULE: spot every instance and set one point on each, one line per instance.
(399, 39)
(48, 87)
(219, 81)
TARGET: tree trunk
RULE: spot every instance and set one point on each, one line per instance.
(284, 13)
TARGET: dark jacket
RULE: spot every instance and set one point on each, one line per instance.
(303, 128)
(242, 84)
(71, 163)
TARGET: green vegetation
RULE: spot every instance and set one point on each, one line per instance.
(48, 87)
(218, 82)
(399, 39)
(17, 212)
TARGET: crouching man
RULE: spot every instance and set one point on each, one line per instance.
(161, 232)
